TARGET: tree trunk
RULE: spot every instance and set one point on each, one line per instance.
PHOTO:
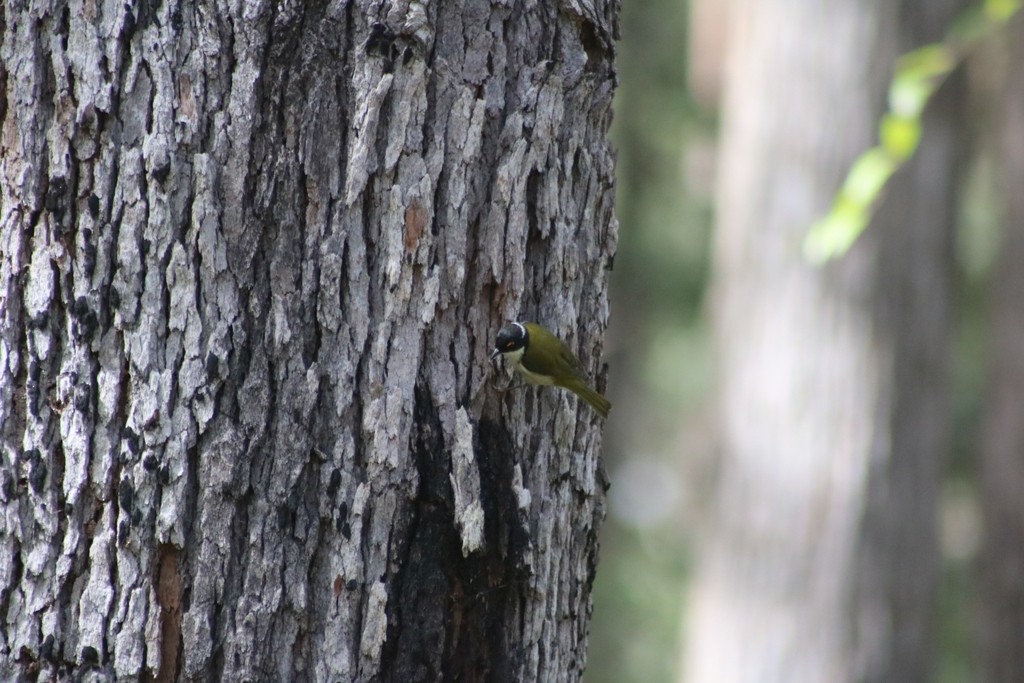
(252, 259)
(818, 560)
(1002, 444)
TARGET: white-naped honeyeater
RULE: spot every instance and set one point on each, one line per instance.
(542, 358)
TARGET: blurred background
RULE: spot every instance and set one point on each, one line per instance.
(817, 471)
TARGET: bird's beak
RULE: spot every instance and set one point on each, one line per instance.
(495, 353)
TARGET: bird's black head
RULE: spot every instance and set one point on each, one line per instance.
(512, 337)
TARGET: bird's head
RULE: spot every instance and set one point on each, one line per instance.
(511, 338)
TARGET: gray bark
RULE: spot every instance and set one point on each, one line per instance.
(818, 558)
(252, 257)
(1001, 455)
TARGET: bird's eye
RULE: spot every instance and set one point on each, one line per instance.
(509, 345)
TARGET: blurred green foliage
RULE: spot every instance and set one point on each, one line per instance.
(657, 346)
(918, 74)
(977, 246)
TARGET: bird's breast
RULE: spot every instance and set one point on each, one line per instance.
(516, 359)
(531, 377)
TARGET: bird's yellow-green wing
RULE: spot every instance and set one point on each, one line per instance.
(547, 352)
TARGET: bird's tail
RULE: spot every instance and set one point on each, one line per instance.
(596, 400)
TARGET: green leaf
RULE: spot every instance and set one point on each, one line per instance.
(918, 75)
(908, 96)
(900, 136)
(832, 236)
(851, 213)
(868, 176)
(926, 62)
(1001, 10)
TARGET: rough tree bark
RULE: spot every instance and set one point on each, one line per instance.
(1001, 455)
(252, 256)
(819, 557)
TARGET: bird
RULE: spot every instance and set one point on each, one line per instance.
(542, 358)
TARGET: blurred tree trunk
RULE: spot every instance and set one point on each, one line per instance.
(1002, 444)
(818, 560)
(251, 261)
